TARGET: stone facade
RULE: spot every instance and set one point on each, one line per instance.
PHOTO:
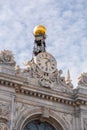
(28, 94)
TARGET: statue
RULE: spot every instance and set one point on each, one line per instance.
(82, 79)
(6, 57)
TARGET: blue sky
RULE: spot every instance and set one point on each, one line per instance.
(66, 23)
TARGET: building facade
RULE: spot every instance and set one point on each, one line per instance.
(38, 97)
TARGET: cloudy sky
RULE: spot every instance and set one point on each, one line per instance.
(66, 23)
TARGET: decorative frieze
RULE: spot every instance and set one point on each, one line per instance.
(51, 97)
(19, 89)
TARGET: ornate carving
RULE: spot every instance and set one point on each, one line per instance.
(49, 80)
(4, 110)
(19, 108)
(85, 125)
(68, 80)
(67, 117)
(82, 80)
(30, 70)
(6, 57)
(3, 126)
(4, 115)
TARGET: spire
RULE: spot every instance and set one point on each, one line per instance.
(68, 76)
(68, 79)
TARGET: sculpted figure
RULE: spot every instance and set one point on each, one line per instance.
(82, 80)
(6, 57)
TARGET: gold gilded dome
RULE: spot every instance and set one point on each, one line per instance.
(40, 29)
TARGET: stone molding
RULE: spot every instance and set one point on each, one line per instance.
(39, 111)
(26, 90)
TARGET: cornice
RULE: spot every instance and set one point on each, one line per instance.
(53, 98)
(22, 87)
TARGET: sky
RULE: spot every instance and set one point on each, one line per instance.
(66, 23)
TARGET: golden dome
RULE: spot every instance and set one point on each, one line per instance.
(40, 29)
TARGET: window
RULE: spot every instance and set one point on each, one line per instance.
(38, 125)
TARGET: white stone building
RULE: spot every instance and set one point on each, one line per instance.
(38, 97)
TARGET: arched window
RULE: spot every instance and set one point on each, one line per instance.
(38, 125)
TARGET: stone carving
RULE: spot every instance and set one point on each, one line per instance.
(4, 110)
(17, 69)
(67, 117)
(6, 57)
(48, 80)
(19, 108)
(3, 126)
(4, 115)
(53, 80)
(68, 80)
(85, 125)
(82, 80)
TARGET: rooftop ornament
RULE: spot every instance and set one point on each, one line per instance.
(39, 30)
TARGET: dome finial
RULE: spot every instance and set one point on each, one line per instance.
(39, 30)
(39, 42)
